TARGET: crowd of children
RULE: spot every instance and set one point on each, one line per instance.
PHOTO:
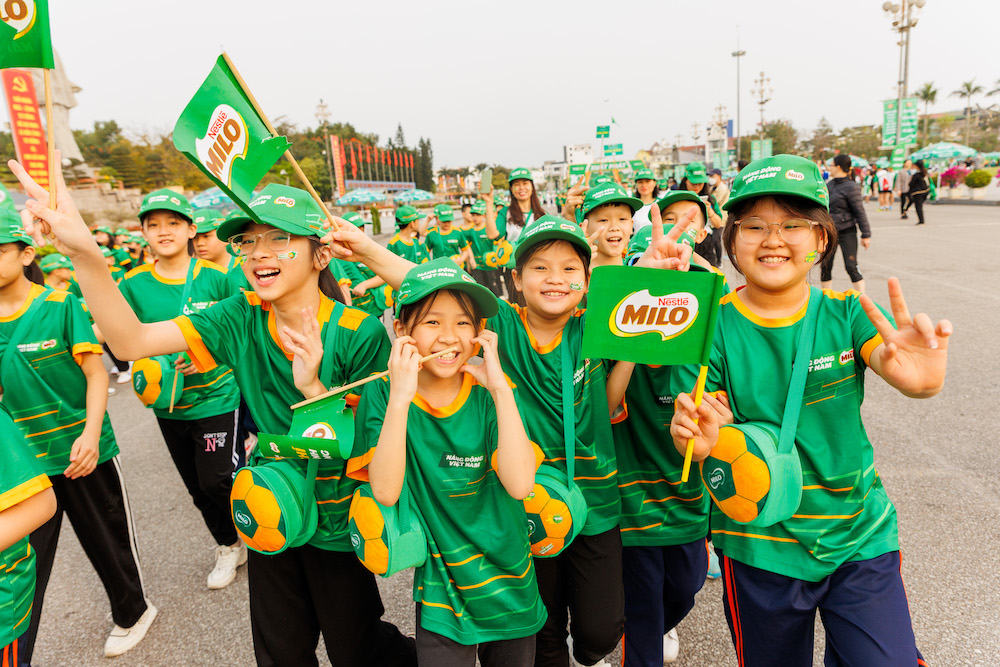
(246, 315)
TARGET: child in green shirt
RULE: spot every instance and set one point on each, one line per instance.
(451, 433)
(839, 552)
(273, 339)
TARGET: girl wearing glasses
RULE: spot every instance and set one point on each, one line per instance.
(274, 339)
(201, 430)
(839, 553)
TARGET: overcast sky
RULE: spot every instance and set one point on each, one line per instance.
(512, 82)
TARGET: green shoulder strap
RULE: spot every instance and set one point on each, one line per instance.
(24, 323)
(568, 414)
(188, 282)
(800, 369)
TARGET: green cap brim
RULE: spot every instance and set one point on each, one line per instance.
(557, 233)
(631, 202)
(415, 287)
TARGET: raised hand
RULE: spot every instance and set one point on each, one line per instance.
(489, 374)
(404, 369)
(63, 226)
(913, 356)
(307, 348)
(574, 198)
(701, 423)
(664, 252)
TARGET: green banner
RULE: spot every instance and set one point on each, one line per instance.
(222, 134)
(898, 157)
(603, 131)
(322, 430)
(651, 316)
(605, 165)
(755, 150)
(612, 149)
(909, 122)
(678, 172)
(29, 44)
(889, 123)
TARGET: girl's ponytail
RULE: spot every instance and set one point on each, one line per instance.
(32, 271)
(329, 286)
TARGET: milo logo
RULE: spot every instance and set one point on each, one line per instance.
(285, 201)
(641, 313)
(355, 540)
(49, 344)
(242, 518)
(793, 175)
(320, 430)
(224, 141)
(846, 356)
(531, 527)
(19, 14)
(716, 478)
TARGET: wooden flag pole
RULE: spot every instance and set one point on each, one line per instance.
(288, 154)
(370, 378)
(699, 391)
(50, 131)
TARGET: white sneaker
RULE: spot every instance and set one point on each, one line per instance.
(671, 646)
(112, 391)
(124, 377)
(572, 660)
(227, 559)
(122, 640)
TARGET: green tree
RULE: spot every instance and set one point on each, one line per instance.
(399, 141)
(122, 159)
(783, 135)
(501, 177)
(424, 166)
(823, 139)
(928, 95)
(96, 145)
(864, 141)
(967, 91)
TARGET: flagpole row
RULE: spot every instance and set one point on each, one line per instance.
(50, 131)
(270, 128)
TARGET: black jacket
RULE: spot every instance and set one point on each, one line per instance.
(847, 207)
(918, 185)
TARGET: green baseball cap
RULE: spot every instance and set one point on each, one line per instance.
(520, 173)
(50, 263)
(780, 175)
(407, 214)
(103, 228)
(599, 179)
(136, 237)
(438, 274)
(610, 193)
(642, 238)
(11, 228)
(444, 213)
(695, 173)
(673, 196)
(121, 231)
(354, 218)
(207, 220)
(290, 209)
(644, 173)
(165, 200)
(549, 227)
(479, 208)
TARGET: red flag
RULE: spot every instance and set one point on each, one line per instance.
(354, 163)
(411, 160)
(368, 153)
(395, 158)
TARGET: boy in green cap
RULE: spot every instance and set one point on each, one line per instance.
(58, 271)
(407, 242)
(201, 432)
(106, 237)
(838, 554)
(481, 246)
(607, 211)
(479, 560)
(445, 239)
(207, 245)
(270, 337)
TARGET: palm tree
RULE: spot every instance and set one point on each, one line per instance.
(966, 91)
(995, 91)
(928, 95)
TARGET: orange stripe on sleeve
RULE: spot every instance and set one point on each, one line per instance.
(357, 466)
(200, 355)
(81, 349)
(869, 347)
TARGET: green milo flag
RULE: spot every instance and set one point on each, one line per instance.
(651, 316)
(25, 40)
(321, 430)
(224, 136)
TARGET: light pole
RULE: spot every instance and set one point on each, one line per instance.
(323, 115)
(902, 20)
(762, 91)
(696, 134)
(738, 53)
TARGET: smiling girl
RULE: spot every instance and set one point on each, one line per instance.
(839, 552)
(510, 221)
(478, 585)
(274, 339)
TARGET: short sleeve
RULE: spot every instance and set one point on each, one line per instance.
(502, 223)
(503, 319)
(367, 428)
(21, 476)
(217, 335)
(339, 273)
(81, 339)
(367, 353)
(864, 334)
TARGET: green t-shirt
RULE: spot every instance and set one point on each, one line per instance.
(374, 300)
(241, 332)
(413, 249)
(537, 372)
(657, 508)
(845, 514)
(43, 386)
(237, 279)
(478, 583)
(446, 244)
(155, 299)
(481, 246)
(20, 478)
(122, 257)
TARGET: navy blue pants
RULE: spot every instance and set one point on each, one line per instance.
(660, 585)
(862, 605)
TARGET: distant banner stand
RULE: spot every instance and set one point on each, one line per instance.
(907, 118)
(603, 131)
(577, 170)
(655, 317)
(26, 124)
(386, 186)
(612, 149)
(761, 149)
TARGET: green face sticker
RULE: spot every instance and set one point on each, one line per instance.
(287, 255)
(811, 257)
(576, 287)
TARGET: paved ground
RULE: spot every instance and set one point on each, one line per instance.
(939, 460)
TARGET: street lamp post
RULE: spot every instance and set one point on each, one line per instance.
(738, 53)
(323, 115)
(902, 20)
(762, 91)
